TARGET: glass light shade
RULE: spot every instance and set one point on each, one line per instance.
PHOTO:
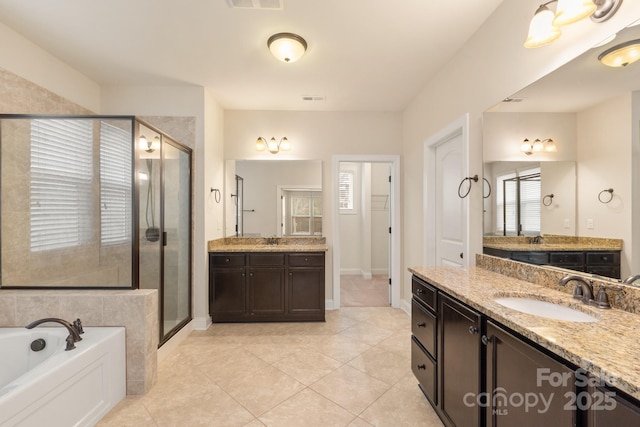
(541, 29)
(526, 147)
(537, 146)
(621, 55)
(272, 146)
(284, 144)
(550, 146)
(570, 11)
(261, 144)
(287, 47)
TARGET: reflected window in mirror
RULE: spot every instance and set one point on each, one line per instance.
(302, 212)
(348, 188)
(518, 203)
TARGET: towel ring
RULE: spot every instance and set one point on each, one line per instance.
(488, 185)
(604, 199)
(547, 200)
(469, 178)
(216, 194)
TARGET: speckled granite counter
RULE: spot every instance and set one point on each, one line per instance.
(260, 244)
(609, 348)
(552, 243)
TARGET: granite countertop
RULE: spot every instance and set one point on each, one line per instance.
(259, 244)
(609, 348)
(549, 247)
(551, 243)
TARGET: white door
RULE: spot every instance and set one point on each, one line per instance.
(450, 209)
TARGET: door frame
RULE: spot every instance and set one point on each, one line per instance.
(394, 212)
(459, 127)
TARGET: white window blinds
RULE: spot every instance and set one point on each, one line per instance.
(115, 185)
(346, 190)
(525, 186)
(303, 212)
(61, 183)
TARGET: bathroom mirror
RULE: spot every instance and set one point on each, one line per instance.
(275, 198)
(591, 112)
(67, 201)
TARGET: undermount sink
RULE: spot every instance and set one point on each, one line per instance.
(545, 309)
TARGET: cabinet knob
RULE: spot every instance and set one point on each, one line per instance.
(419, 291)
(421, 325)
(486, 340)
(423, 366)
(473, 330)
(290, 274)
(306, 259)
(227, 260)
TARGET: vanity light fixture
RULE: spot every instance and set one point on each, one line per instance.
(273, 146)
(537, 146)
(544, 26)
(621, 54)
(287, 47)
(149, 146)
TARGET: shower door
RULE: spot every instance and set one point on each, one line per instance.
(164, 177)
(176, 239)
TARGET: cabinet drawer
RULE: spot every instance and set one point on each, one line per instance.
(423, 326)
(424, 292)
(226, 260)
(274, 259)
(538, 258)
(306, 260)
(603, 258)
(424, 369)
(566, 258)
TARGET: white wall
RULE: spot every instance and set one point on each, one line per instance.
(559, 179)
(314, 136)
(604, 161)
(491, 66)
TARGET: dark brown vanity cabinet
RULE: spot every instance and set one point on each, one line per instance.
(266, 286)
(476, 372)
(524, 386)
(459, 362)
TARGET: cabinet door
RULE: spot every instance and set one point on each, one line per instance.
(607, 407)
(525, 386)
(306, 292)
(459, 362)
(227, 293)
(265, 288)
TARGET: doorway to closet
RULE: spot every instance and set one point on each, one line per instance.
(365, 246)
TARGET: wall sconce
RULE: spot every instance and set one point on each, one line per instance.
(621, 54)
(149, 146)
(272, 145)
(544, 26)
(538, 146)
(287, 47)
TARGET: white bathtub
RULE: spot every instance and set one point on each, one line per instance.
(54, 387)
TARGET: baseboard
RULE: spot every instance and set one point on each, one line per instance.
(380, 271)
(328, 304)
(350, 271)
(201, 323)
(405, 306)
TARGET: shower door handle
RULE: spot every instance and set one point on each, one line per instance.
(164, 238)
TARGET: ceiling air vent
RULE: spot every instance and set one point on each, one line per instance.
(256, 4)
(313, 98)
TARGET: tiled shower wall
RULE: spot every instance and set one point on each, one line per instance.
(136, 310)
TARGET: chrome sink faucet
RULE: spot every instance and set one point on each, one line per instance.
(584, 291)
(629, 280)
(74, 329)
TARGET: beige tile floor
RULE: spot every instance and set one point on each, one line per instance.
(352, 370)
(358, 292)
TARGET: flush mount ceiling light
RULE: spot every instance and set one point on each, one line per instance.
(287, 47)
(622, 54)
(272, 145)
(544, 26)
(538, 146)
